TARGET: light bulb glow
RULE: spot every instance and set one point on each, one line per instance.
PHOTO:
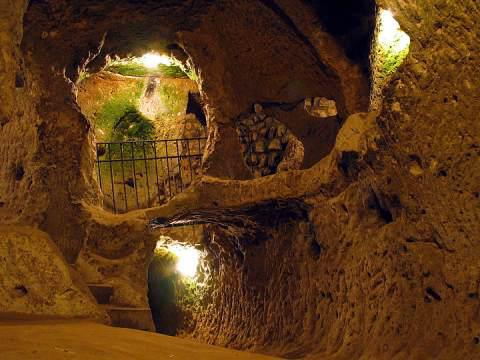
(391, 36)
(152, 60)
(188, 259)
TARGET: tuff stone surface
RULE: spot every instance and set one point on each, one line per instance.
(385, 265)
(36, 280)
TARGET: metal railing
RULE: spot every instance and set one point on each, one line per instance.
(146, 173)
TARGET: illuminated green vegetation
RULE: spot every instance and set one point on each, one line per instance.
(171, 293)
(173, 98)
(390, 49)
(132, 125)
(392, 61)
(392, 44)
(133, 68)
(124, 102)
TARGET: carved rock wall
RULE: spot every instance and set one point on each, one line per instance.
(395, 272)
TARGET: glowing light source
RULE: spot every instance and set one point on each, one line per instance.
(390, 35)
(188, 259)
(152, 60)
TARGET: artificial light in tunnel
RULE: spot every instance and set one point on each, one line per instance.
(391, 36)
(152, 60)
(188, 259)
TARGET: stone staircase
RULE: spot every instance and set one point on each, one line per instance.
(121, 316)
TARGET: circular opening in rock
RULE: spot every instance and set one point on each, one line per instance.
(149, 127)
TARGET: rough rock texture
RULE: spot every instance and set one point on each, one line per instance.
(117, 251)
(226, 77)
(386, 263)
(36, 280)
(397, 275)
(60, 152)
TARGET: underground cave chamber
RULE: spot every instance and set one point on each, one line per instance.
(293, 179)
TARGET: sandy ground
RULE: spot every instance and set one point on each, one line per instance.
(54, 340)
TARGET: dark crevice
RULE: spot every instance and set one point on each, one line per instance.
(432, 293)
(348, 163)
(284, 210)
(21, 290)
(352, 23)
(19, 172)
(377, 203)
(195, 106)
(19, 80)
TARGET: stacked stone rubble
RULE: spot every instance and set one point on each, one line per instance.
(264, 140)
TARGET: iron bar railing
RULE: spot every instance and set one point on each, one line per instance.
(146, 173)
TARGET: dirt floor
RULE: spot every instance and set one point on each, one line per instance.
(54, 340)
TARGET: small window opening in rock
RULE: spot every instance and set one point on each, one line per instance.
(391, 47)
(175, 277)
(144, 128)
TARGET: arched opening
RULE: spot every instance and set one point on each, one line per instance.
(177, 275)
(149, 132)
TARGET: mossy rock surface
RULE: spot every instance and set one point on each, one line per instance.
(132, 126)
(115, 108)
(135, 69)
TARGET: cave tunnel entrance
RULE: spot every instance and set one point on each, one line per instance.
(149, 126)
(162, 279)
(175, 276)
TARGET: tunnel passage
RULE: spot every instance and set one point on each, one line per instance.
(162, 293)
(178, 276)
(197, 244)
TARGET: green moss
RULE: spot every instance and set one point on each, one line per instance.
(83, 76)
(391, 60)
(134, 68)
(171, 71)
(392, 44)
(128, 69)
(115, 108)
(166, 259)
(132, 126)
(188, 291)
(173, 98)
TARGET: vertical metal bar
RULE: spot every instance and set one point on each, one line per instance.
(123, 177)
(189, 161)
(134, 174)
(168, 169)
(179, 166)
(146, 173)
(99, 170)
(111, 177)
(156, 170)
